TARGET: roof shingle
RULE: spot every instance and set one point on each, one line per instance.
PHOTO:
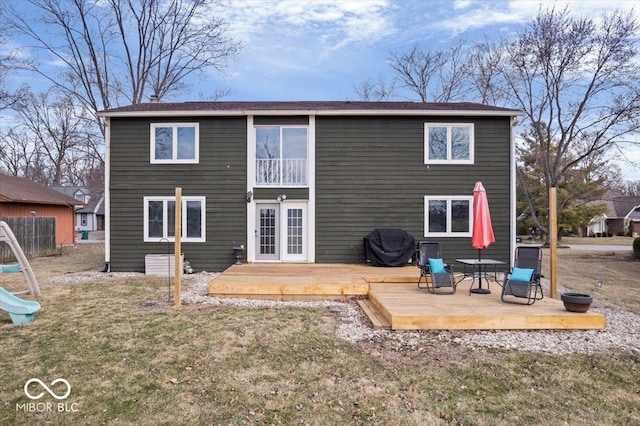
(21, 190)
(320, 106)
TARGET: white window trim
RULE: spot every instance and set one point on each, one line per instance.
(255, 155)
(427, 160)
(203, 220)
(448, 199)
(174, 160)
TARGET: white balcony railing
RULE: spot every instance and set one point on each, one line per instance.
(290, 171)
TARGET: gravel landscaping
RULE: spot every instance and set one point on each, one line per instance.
(622, 332)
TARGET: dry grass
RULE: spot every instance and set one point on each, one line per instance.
(602, 241)
(618, 273)
(132, 359)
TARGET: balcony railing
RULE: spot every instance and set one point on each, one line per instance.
(290, 171)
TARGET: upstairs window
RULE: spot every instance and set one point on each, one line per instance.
(281, 156)
(447, 216)
(159, 219)
(174, 143)
(80, 196)
(448, 143)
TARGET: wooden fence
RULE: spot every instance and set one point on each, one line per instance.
(36, 236)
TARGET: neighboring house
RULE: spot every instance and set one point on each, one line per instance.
(303, 181)
(633, 220)
(622, 216)
(90, 215)
(23, 197)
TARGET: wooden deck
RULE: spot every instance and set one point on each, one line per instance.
(394, 301)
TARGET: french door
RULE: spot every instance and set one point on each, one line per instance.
(281, 231)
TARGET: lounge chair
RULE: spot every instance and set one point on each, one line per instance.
(522, 283)
(427, 250)
(436, 273)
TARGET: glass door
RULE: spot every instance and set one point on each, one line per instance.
(295, 217)
(281, 231)
(268, 232)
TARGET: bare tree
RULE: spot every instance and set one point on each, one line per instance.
(10, 60)
(628, 188)
(375, 90)
(416, 69)
(434, 76)
(19, 156)
(62, 141)
(578, 84)
(120, 51)
(484, 62)
(454, 75)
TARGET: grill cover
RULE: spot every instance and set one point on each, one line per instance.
(389, 247)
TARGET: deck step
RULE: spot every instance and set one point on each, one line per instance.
(377, 319)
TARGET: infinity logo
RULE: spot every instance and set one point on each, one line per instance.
(52, 393)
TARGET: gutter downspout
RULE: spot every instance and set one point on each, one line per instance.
(512, 218)
(107, 195)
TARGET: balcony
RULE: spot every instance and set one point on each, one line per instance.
(286, 172)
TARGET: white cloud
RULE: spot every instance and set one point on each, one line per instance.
(334, 23)
(462, 4)
(469, 15)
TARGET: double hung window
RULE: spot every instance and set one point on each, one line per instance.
(159, 219)
(174, 143)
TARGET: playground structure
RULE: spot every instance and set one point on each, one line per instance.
(21, 311)
(6, 235)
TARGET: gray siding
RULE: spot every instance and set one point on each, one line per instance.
(220, 176)
(370, 173)
(273, 193)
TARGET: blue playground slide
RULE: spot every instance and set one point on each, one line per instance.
(21, 311)
(8, 269)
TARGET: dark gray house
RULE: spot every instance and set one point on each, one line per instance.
(303, 181)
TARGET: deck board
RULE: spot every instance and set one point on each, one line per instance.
(409, 308)
(393, 295)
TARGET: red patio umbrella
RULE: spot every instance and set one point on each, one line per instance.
(482, 235)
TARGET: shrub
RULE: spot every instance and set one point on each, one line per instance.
(636, 247)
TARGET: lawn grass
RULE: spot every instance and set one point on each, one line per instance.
(600, 241)
(131, 358)
(581, 241)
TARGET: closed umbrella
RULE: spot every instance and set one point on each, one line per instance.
(482, 235)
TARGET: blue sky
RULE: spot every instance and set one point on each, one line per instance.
(321, 49)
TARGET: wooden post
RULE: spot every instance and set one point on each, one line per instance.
(177, 250)
(553, 242)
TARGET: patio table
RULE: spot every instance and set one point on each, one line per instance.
(479, 271)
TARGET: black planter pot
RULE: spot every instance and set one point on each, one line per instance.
(576, 302)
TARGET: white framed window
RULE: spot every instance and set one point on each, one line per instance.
(174, 143)
(448, 216)
(448, 143)
(159, 219)
(281, 155)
